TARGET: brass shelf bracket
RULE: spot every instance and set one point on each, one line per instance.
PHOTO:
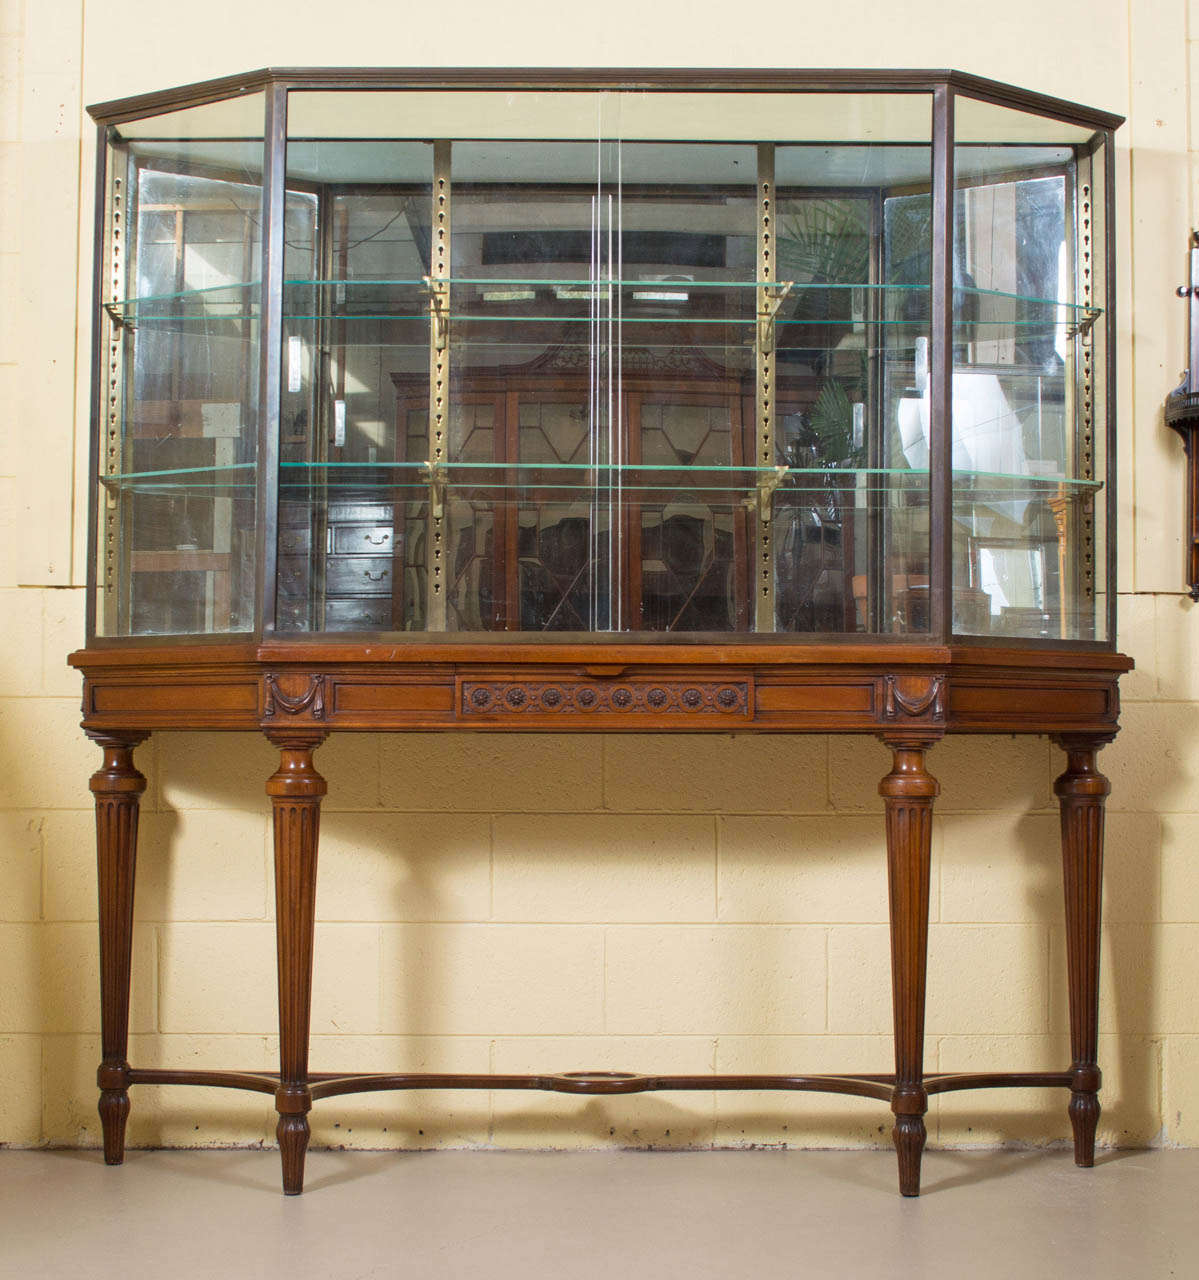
(763, 498)
(1084, 323)
(772, 298)
(436, 478)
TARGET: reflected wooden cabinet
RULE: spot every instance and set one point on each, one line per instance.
(533, 545)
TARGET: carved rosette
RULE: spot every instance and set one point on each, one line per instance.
(573, 698)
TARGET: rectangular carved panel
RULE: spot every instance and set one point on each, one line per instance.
(573, 699)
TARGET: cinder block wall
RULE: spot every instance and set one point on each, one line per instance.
(564, 903)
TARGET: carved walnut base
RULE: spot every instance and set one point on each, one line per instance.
(296, 693)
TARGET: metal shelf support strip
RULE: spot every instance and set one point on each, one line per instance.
(763, 570)
(439, 381)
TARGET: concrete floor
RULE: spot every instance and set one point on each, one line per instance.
(574, 1216)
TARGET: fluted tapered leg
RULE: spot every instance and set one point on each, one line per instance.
(908, 792)
(295, 790)
(117, 786)
(1081, 792)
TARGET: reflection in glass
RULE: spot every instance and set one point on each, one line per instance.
(355, 330)
(580, 384)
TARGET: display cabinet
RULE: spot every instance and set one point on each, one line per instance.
(601, 401)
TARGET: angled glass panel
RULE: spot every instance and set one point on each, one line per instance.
(181, 295)
(1029, 528)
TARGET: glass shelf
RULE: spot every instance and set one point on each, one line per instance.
(217, 302)
(669, 301)
(667, 483)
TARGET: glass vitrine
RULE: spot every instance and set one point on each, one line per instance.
(790, 359)
(574, 401)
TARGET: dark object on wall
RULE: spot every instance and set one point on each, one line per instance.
(1182, 413)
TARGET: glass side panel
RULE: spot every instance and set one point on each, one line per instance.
(605, 362)
(1028, 472)
(181, 294)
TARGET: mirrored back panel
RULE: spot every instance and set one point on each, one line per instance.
(604, 362)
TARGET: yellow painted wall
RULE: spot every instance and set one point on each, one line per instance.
(555, 904)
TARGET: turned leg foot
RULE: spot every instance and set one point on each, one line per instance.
(1084, 1120)
(293, 1133)
(909, 1136)
(114, 1112)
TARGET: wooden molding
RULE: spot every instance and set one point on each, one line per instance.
(878, 689)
